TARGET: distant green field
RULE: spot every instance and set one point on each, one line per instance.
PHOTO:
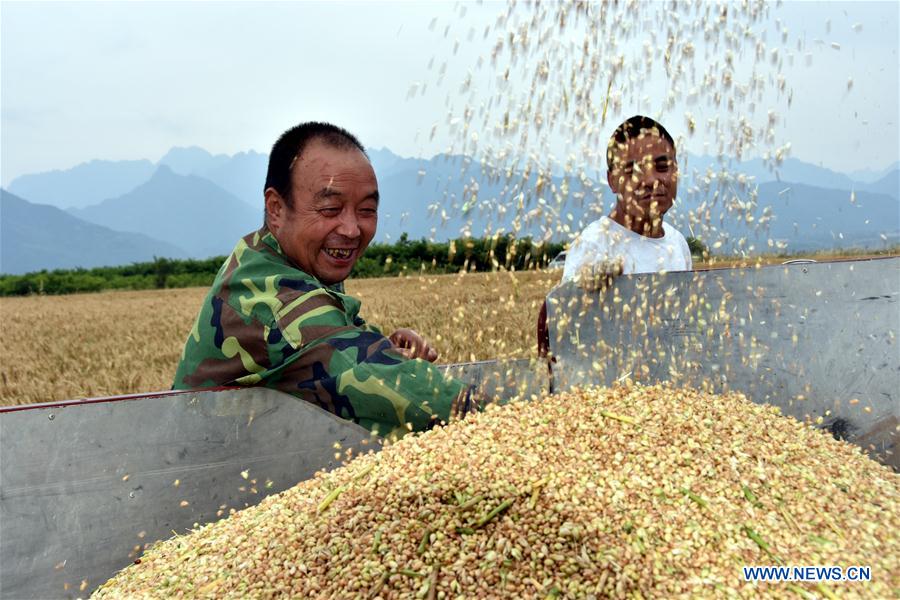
(380, 260)
(405, 257)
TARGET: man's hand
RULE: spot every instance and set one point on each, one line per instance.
(412, 345)
(470, 400)
(600, 275)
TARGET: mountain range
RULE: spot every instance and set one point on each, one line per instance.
(40, 236)
(173, 208)
(192, 203)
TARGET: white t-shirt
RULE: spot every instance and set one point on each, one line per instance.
(604, 239)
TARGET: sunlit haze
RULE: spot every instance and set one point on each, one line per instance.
(82, 81)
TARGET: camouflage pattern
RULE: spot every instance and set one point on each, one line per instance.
(266, 322)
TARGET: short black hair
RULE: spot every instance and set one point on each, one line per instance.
(631, 129)
(290, 145)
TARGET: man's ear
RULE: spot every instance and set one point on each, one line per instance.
(276, 209)
(612, 183)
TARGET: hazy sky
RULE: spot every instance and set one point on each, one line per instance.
(80, 81)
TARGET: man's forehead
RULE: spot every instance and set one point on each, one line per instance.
(648, 143)
(636, 149)
(332, 167)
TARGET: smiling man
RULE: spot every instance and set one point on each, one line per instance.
(277, 314)
(642, 171)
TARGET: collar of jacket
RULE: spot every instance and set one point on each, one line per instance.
(267, 238)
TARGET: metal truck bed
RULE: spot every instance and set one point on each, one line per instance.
(84, 485)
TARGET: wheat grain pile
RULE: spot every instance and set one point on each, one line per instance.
(649, 492)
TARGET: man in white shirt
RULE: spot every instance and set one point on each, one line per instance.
(642, 171)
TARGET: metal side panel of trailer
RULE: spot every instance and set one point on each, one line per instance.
(818, 340)
(84, 485)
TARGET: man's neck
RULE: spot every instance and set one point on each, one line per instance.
(645, 227)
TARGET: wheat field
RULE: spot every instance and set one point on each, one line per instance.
(65, 347)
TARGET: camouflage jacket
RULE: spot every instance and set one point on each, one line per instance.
(266, 322)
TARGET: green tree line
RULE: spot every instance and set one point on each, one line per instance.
(380, 260)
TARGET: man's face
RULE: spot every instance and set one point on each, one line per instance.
(335, 211)
(644, 176)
